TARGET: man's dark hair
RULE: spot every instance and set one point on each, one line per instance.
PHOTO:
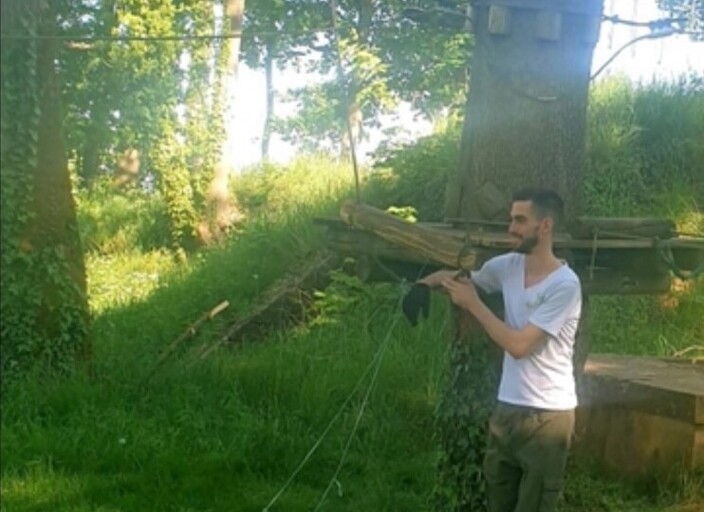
(546, 202)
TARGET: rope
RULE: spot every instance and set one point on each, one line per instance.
(393, 275)
(360, 412)
(665, 252)
(375, 364)
(166, 37)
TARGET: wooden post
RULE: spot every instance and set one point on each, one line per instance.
(524, 126)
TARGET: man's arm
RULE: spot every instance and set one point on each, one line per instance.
(518, 343)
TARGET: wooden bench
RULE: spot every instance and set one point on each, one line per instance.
(641, 415)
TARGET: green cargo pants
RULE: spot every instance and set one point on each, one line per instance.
(525, 459)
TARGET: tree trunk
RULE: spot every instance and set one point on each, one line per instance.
(44, 300)
(525, 118)
(269, 114)
(524, 126)
(224, 210)
(93, 143)
(352, 110)
(97, 132)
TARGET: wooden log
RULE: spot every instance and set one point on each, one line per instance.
(423, 242)
(363, 243)
(188, 333)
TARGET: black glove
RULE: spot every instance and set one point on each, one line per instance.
(416, 300)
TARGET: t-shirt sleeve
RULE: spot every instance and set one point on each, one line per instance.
(488, 278)
(560, 304)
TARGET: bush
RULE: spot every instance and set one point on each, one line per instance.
(113, 221)
(416, 174)
(272, 189)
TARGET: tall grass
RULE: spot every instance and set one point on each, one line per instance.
(226, 435)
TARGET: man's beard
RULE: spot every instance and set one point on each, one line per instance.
(527, 245)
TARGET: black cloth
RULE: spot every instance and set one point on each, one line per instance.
(416, 301)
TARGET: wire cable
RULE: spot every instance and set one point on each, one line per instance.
(166, 37)
(373, 365)
(360, 412)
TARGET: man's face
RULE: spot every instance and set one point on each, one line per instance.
(526, 228)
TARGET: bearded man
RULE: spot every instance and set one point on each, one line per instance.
(531, 428)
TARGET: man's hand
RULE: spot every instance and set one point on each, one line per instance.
(463, 293)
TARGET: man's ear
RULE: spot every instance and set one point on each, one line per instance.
(547, 224)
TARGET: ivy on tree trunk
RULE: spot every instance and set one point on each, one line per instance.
(44, 308)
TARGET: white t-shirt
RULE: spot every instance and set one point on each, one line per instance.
(544, 378)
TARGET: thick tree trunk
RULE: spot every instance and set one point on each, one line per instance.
(524, 126)
(44, 300)
(526, 112)
(55, 225)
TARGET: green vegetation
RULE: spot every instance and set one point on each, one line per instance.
(227, 432)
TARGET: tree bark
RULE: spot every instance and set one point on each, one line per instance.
(525, 117)
(45, 316)
(219, 200)
(352, 110)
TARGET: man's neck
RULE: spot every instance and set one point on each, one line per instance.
(541, 261)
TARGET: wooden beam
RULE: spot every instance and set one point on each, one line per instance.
(623, 227)
(622, 282)
(503, 241)
(355, 242)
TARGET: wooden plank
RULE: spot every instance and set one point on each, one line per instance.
(501, 240)
(623, 227)
(622, 282)
(356, 242)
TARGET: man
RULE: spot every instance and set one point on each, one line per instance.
(531, 428)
